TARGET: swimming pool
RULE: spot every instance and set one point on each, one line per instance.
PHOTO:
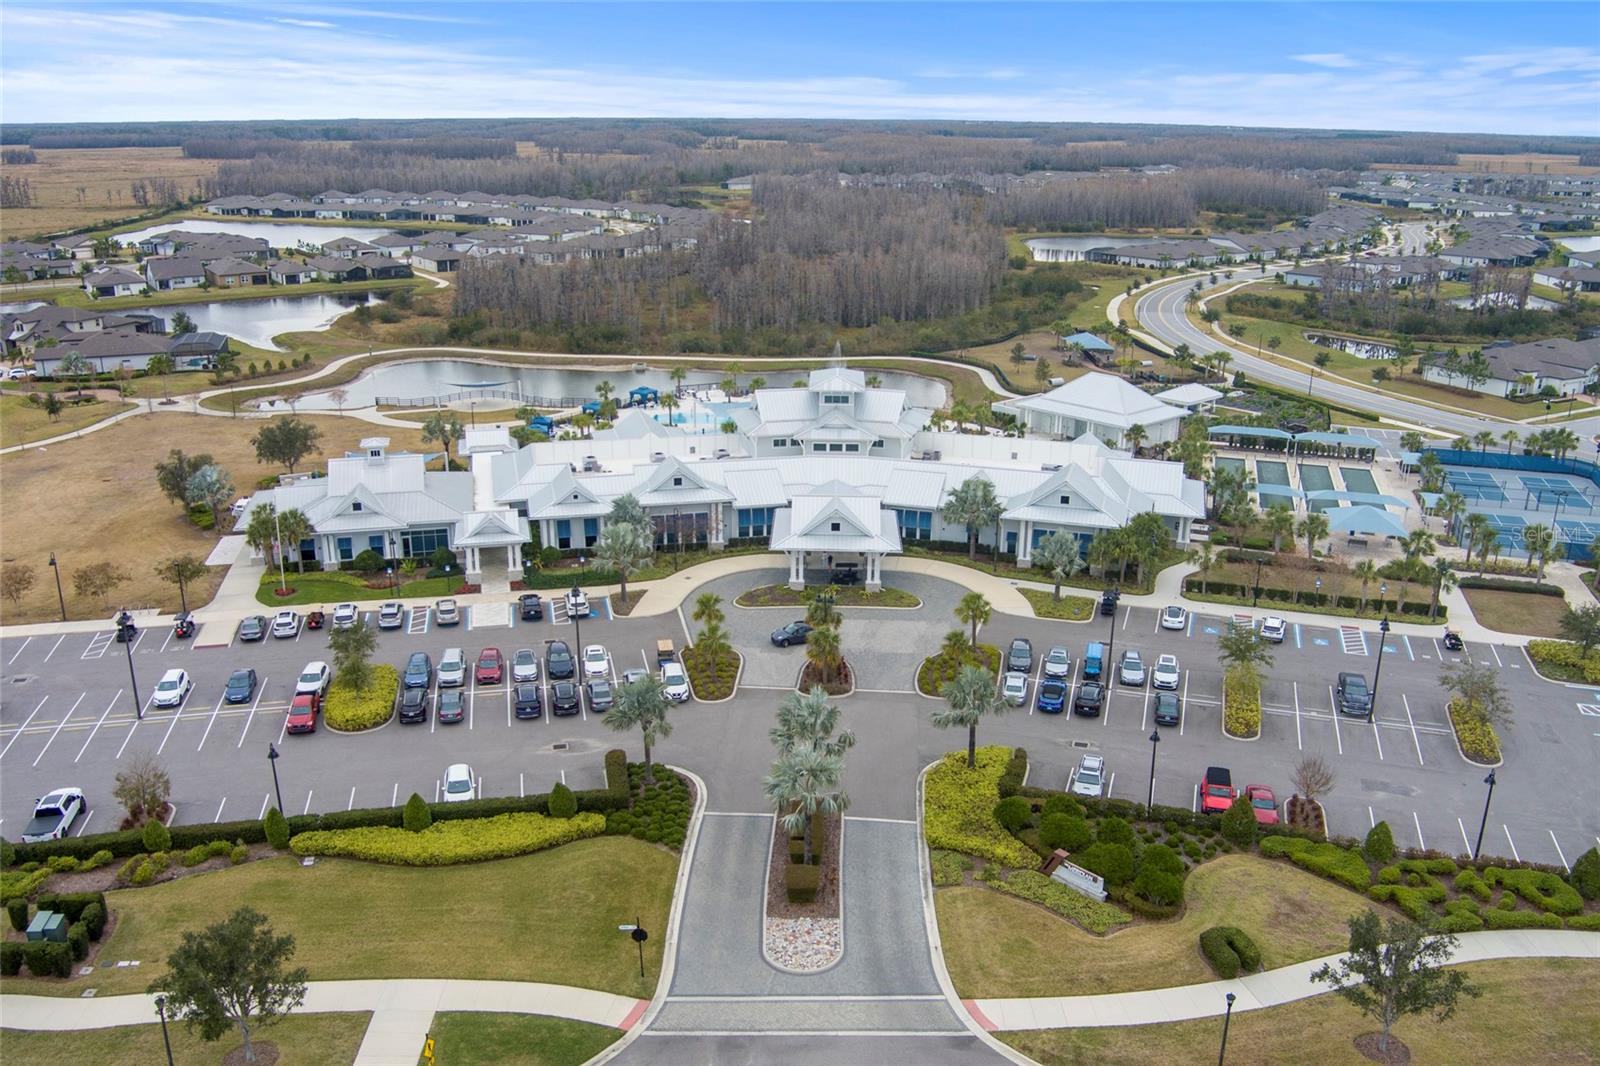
(695, 415)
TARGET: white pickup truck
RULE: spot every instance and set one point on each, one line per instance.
(53, 815)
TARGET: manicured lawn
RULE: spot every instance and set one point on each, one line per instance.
(1083, 580)
(1517, 612)
(475, 1038)
(848, 596)
(997, 946)
(336, 586)
(1067, 608)
(22, 422)
(551, 916)
(302, 1039)
(1517, 1019)
(1335, 584)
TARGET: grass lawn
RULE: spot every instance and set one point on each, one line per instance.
(98, 499)
(337, 586)
(1516, 1020)
(22, 422)
(1081, 580)
(847, 596)
(1068, 608)
(1024, 378)
(302, 1039)
(551, 916)
(1335, 583)
(997, 946)
(1517, 612)
(475, 1038)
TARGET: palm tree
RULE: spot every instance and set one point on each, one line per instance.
(1204, 558)
(623, 547)
(604, 390)
(1367, 571)
(1486, 539)
(1280, 523)
(806, 721)
(1484, 439)
(713, 643)
(955, 646)
(969, 697)
(820, 611)
(1540, 540)
(1477, 530)
(1313, 527)
(973, 504)
(1058, 555)
(803, 783)
(822, 651)
(1452, 505)
(160, 365)
(1444, 580)
(1135, 435)
(446, 428)
(974, 610)
(1509, 438)
(678, 374)
(641, 705)
(1417, 543)
(293, 526)
(708, 608)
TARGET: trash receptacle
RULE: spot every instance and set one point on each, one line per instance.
(48, 925)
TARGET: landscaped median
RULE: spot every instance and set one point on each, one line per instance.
(446, 843)
(337, 586)
(1241, 716)
(1066, 609)
(1562, 660)
(939, 670)
(349, 710)
(1474, 732)
(845, 596)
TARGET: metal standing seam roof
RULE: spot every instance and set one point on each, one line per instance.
(1349, 440)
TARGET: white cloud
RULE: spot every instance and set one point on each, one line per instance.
(1337, 60)
(312, 23)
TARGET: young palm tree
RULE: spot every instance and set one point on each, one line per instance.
(1417, 543)
(822, 651)
(1444, 580)
(1280, 523)
(623, 547)
(1486, 540)
(713, 643)
(1057, 554)
(1452, 505)
(803, 783)
(641, 705)
(955, 646)
(806, 721)
(1204, 558)
(708, 608)
(1135, 435)
(820, 611)
(1367, 571)
(1478, 530)
(973, 610)
(969, 697)
(1484, 439)
(1313, 527)
(1540, 540)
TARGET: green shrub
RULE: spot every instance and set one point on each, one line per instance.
(1507, 902)
(1013, 813)
(145, 873)
(1114, 862)
(416, 817)
(61, 864)
(350, 711)
(78, 941)
(94, 920)
(562, 804)
(103, 857)
(1458, 922)
(128, 868)
(1590, 922)
(1016, 770)
(71, 904)
(445, 843)
(1344, 865)
(800, 883)
(1379, 845)
(1417, 903)
(1114, 830)
(1474, 732)
(1586, 874)
(1158, 886)
(1543, 889)
(960, 804)
(218, 848)
(1389, 875)
(949, 867)
(156, 836)
(1092, 915)
(1241, 715)
(1229, 951)
(1239, 822)
(277, 829)
(11, 953)
(1063, 831)
(1162, 859)
(48, 958)
(1565, 661)
(17, 913)
(1496, 919)
(1061, 803)
(195, 855)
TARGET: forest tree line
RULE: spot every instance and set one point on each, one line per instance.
(1122, 201)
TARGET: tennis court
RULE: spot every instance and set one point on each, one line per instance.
(1509, 527)
(1556, 492)
(1476, 485)
(1577, 531)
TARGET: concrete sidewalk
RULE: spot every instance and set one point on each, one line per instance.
(1283, 985)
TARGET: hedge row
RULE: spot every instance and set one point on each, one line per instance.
(1016, 771)
(1565, 661)
(1344, 865)
(1547, 891)
(1092, 915)
(130, 842)
(450, 842)
(1503, 584)
(1228, 590)
(1230, 951)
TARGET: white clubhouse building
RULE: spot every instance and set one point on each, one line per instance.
(835, 472)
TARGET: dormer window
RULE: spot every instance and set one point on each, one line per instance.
(836, 398)
(356, 506)
(677, 482)
(833, 527)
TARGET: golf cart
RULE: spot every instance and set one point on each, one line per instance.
(1452, 640)
(183, 626)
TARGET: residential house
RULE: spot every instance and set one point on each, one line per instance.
(1583, 279)
(438, 258)
(164, 273)
(1508, 250)
(347, 247)
(1569, 367)
(79, 246)
(113, 281)
(291, 272)
(231, 273)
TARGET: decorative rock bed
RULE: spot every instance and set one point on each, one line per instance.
(804, 945)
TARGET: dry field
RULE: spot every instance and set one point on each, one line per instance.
(78, 187)
(94, 499)
(1517, 163)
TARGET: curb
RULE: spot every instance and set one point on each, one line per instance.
(843, 695)
(1222, 723)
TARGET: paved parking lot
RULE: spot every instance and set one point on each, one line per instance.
(67, 718)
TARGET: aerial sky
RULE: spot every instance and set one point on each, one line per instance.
(1489, 67)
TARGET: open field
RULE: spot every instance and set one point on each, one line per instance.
(551, 916)
(1532, 1012)
(97, 498)
(78, 188)
(302, 1040)
(998, 946)
(472, 1038)
(1041, 343)
(1517, 612)
(1514, 163)
(21, 422)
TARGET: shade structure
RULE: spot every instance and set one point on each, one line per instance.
(1347, 440)
(1265, 432)
(1364, 520)
(1376, 499)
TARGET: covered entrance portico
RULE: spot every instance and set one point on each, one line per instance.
(834, 530)
(868, 564)
(502, 528)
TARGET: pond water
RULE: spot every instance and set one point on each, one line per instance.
(427, 379)
(278, 234)
(1506, 301)
(256, 322)
(1580, 244)
(17, 308)
(1071, 249)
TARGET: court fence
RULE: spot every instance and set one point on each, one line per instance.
(1576, 534)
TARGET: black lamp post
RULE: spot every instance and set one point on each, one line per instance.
(1150, 801)
(272, 758)
(1113, 594)
(1377, 672)
(1226, 1018)
(577, 623)
(128, 632)
(161, 1009)
(1478, 847)
(1256, 598)
(60, 597)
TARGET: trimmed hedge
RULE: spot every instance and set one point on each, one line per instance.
(1546, 891)
(350, 711)
(1031, 885)
(1416, 903)
(20, 884)
(94, 920)
(17, 913)
(1016, 772)
(1590, 922)
(449, 842)
(1468, 881)
(11, 955)
(1344, 865)
(48, 958)
(1585, 876)
(1498, 919)
(800, 882)
(71, 904)
(1504, 584)
(948, 867)
(960, 809)
(1476, 736)
(1229, 951)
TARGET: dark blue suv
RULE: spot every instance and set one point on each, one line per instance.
(1052, 696)
(419, 670)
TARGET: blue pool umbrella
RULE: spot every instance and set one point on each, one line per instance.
(1364, 520)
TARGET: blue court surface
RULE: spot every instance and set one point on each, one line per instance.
(1509, 527)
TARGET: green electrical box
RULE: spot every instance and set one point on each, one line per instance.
(48, 925)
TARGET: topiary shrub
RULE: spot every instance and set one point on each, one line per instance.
(276, 827)
(1013, 813)
(1239, 822)
(94, 920)
(78, 941)
(1158, 886)
(237, 854)
(1114, 862)
(1588, 922)
(417, 817)
(1379, 845)
(17, 913)
(156, 837)
(1543, 889)
(1063, 831)
(1389, 875)
(195, 855)
(48, 958)
(1229, 951)
(367, 562)
(562, 804)
(11, 954)
(1060, 803)
(800, 882)
(1114, 830)
(1585, 875)
(1496, 919)
(1161, 858)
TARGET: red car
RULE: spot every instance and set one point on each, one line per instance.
(491, 668)
(303, 713)
(1263, 803)
(315, 620)
(1216, 790)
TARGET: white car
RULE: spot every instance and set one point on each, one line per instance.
(172, 688)
(1131, 670)
(595, 661)
(1015, 688)
(524, 666)
(459, 783)
(313, 680)
(345, 615)
(1166, 673)
(286, 624)
(1058, 663)
(391, 616)
(1089, 778)
(446, 613)
(674, 682)
(1174, 617)
(18, 373)
(54, 814)
(452, 668)
(577, 604)
(1274, 629)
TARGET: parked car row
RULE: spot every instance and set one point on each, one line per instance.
(1215, 791)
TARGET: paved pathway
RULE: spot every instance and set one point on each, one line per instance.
(1283, 985)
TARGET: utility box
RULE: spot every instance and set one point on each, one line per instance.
(48, 925)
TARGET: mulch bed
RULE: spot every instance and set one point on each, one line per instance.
(621, 608)
(839, 686)
(826, 852)
(1397, 1055)
(1303, 814)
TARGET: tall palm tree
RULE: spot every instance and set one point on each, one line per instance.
(822, 651)
(1057, 554)
(1452, 505)
(1444, 580)
(1484, 439)
(678, 374)
(1540, 540)
(1478, 529)
(293, 526)
(974, 610)
(1486, 540)
(604, 390)
(1204, 558)
(713, 643)
(708, 608)
(1280, 523)
(1509, 438)
(820, 611)
(1417, 543)
(1313, 527)
(806, 720)
(1367, 571)
(803, 783)
(969, 697)
(643, 706)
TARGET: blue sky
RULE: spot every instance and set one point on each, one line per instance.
(1490, 67)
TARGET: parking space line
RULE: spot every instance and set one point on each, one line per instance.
(1337, 736)
(1125, 616)
(25, 642)
(264, 801)
(1145, 714)
(1188, 629)
(394, 795)
(1559, 852)
(1414, 738)
(352, 804)
(96, 729)
(97, 646)
(1183, 712)
(1496, 653)
(24, 726)
(1375, 735)
(177, 712)
(164, 643)
(54, 646)
(521, 794)
(260, 689)
(132, 729)
(218, 818)
(1111, 783)
(1513, 843)
(1298, 646)
(1372, 819)
(1418, 823)
(1466, 844)
(213, 720)
(1298, 740)
(84, 825)
(1409, 653)
(59, 725)
(1439, 648)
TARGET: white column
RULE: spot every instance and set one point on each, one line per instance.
(1025, 545)
(874, 566)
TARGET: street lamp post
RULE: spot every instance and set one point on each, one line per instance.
(272, 758)
(60, 596)
(577, 623)
(1319, 592)
(126, 630)
(1226, 1018)
(1150, 800)
(161, 1009)
(1377, 672)
(1476, 848)
(1111, 637)
(1256, 598)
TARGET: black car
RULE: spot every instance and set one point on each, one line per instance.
(241, 686)
(531, 607)
(1167, 708)
(1108, 601)
(452, 706)
(845, 574)
(793, 633)
(528, 703)
(1019, 657)
(601, 694)
(558, 661)
(419, 670)
(564, 698)
(253, 627)
(1091, 696)
(413, 705)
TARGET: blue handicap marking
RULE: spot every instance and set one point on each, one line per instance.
(1390, 648)
(1321, 642)
(1212, 630)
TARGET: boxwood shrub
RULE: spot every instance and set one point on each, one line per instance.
(11, 954)
(1241, 715)
(350, 711)
(1344, 865)
(1498, 919)
(1590, 922)
(47, 958)
(94, 920)
(1546, 891)
(1585, 876)
(1474, 732)
(455, 841)
(71, 904)
(1416, 903)
(1229, 951)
